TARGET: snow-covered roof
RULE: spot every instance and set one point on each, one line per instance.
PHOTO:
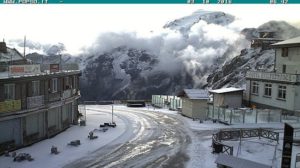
(194, 94)
(10, 55)
(289, 42)
(236, 162)
(226, 90)
(6, 75)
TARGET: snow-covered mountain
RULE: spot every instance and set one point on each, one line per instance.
(124, 66)
(126, 73)
(211, 17)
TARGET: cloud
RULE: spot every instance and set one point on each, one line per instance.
(33, 46)
(193, 52)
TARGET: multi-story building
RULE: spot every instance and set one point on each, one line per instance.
(281, 87)
(35, 105)
(265, 40)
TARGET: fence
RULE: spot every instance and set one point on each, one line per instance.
(165, 101)
(247, 115)
(219, 147)
(238, 134)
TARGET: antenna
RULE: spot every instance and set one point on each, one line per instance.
(24, 44)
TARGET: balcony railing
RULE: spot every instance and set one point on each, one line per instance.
(67, 94)
(35, 101)
(74, 91)
(10, 105)
(282, 77)
(54, 97)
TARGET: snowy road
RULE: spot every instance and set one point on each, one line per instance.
(144, 138)
(151, 139)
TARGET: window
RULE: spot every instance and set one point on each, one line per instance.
(268, 90)
(54, 85)
(281, 92)
(35, 88)
(75, 81)
(284, 52)
(9, 91)
(255, 87)
(67, 82)
(283, 68)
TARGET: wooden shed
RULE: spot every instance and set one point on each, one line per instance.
(227, 97)
(194, 103)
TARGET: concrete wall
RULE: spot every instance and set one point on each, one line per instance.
(292, 62)
(297, 97)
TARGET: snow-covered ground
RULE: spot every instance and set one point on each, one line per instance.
(41, 150)
(136, 125)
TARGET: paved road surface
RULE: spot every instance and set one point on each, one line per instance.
(151, 140)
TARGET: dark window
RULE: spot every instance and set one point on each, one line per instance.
(283, 68)
(281, 92)
(9, 91)
(54, 85)
(284, 52)
(67, 82)
(255, 88)
(268, 90)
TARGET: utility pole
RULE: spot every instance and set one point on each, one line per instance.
(112, 112)
(60, 62)
(24, 45)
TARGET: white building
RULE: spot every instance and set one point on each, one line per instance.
(280, 88)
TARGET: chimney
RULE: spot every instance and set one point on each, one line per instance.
(3, 48)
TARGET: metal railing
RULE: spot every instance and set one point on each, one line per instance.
(35, 101)
(248, 115)
(238, 134)
(283, 77)
(66, 94)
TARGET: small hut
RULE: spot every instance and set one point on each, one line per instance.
(194, 103)
(227, 97)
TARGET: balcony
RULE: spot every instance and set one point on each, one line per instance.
(271, 76)
(10, 105)
(35, 101)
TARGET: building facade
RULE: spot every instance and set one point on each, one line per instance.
(37, 105)
(281, 87)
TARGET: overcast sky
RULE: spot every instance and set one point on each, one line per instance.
(78, 26)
